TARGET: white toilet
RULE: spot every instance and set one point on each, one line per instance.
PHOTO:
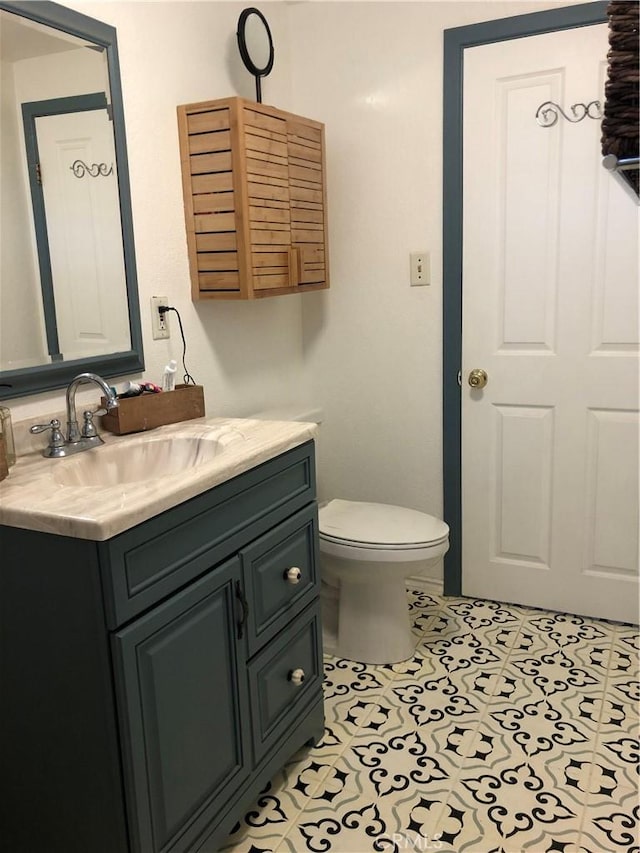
(367, 551)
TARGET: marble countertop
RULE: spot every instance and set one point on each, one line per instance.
(47, 494)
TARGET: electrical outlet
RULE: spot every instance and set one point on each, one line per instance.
(420, 268)
(159, 322)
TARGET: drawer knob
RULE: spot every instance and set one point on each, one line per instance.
(296, 676)
(293, 575)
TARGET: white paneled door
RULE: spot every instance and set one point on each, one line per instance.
(550, 312)
(80, 187)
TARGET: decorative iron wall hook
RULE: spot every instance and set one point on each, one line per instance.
(548, 113)
(80, 168)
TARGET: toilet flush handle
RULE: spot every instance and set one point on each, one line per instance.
(293, 575)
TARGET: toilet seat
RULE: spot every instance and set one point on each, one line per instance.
(379, 527)
(367, 553)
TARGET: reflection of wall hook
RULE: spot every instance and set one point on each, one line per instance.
(547, 114)
(80, 168)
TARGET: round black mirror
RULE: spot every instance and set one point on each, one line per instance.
(255, 45)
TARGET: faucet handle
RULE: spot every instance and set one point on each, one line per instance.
(88, 427)
(56, 439)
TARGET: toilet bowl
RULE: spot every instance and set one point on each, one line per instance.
(367, 551)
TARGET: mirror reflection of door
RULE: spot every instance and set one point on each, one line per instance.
(74, 189)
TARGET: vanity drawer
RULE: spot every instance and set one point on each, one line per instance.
(143, 565)
(280, 572)
(277, 695)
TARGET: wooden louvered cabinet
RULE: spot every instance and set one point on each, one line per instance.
(255, 200)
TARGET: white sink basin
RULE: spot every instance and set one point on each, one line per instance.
(138, 460)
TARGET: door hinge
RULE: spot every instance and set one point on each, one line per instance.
(38, 174)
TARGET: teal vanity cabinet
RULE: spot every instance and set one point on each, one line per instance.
(153, 683)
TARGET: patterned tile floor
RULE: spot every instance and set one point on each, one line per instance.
(510, 730)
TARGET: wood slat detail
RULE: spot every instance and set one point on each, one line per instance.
(257, 190)
(280, 270)
(273, 238)
(298, 204)
(275, 258)
(266, 179)
(304, 143)
(300, 236)
(268, 282)
(307, 164)
(304, 152)
(209, 120)
(267, 146)
(267, 167)
(304, 131)
(267, 158)
(201, 164)
(256, 130)
(310, 273)
(305, 185)
(269, 202)
(297, 173)
(283, 247)
(266, 122)
(312, 256)
(316, 227)
(299, 214)
(205, 143)
(269, 214)
(303, 194)
(217, 261)
(215, 222)
(219, 281)
(271, 226)
(223, 242)
(222, 182)
(214, 203)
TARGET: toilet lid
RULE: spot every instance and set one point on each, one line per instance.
(380, 525)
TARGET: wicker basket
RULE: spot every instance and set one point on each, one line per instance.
(620, 122)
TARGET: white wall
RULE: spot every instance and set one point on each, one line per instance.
(369, 349)
(373, 73)
(22, 335)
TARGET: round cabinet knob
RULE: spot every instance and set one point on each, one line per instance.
(478, 378)
(293, 575)
(296, 676)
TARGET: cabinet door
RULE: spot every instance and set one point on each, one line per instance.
(183, 703)
(308, 201)
(269, 219)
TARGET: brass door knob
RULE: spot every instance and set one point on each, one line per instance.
(478, 378)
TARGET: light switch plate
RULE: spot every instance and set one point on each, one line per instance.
(420, 269)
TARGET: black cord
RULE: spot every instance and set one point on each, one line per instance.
(187, 378)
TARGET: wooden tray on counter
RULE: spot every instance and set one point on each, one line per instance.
(136, 414)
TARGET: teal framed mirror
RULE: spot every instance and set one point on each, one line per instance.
(68, 282)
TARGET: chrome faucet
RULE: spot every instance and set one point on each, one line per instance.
(76, 440)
